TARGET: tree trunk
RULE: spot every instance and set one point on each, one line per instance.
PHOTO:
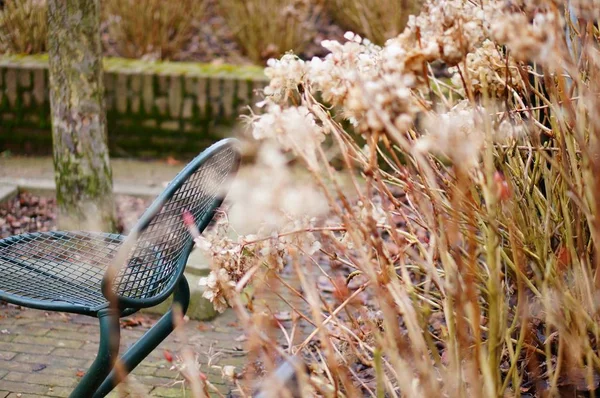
(81, 163)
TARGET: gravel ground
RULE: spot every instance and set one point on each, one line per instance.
(31, 213)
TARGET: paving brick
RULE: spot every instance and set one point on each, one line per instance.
(26, 321)
(61, 392)
(30, 331)
(26, 348)
(47, 368)
(166, 373)
(47, 341)
(144, 371)
(85, 320)
(126, 389)
(169, 392)
(77, 335)
(4, 394)
(67, 326)
(75, 352)
(155, 381)
(14, 366)
(35, 363)
(43, 379)
(19, 395)
(23, 388)
(156, 361)
(28, 314)
(7, 337)
(6, 355)
(66, 362)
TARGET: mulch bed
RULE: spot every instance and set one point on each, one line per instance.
(32, 213)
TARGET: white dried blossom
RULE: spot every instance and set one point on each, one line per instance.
(446, 30)
(285, 75)
(333, 75)
(213, 288)
(228, 372)
(454, 134)
(267, 194)
(488, 70)
(527, 40)
(386, 94)
(294, 128)
(231, 258)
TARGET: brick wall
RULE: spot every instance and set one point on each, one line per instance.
(154, 109)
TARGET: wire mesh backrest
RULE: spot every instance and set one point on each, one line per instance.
(162, 235)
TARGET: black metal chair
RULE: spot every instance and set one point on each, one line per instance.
(79, 272)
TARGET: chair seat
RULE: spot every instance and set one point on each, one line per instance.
(57, 270)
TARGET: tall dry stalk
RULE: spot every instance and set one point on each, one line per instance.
(457, 253)
(23, 26)
(377, 20)
(152, 29)
(269, 28)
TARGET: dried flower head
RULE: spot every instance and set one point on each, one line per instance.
(490, 73)
(454, 134)
(530, 37)
(285, 75)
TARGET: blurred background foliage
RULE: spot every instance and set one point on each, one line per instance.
(231, 31)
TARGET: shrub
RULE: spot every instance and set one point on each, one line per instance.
(154, 29)
(377, 20)
(23, 26)
(472, 268)
(269, 28)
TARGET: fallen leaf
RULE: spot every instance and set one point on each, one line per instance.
(39, 367)
(80, 373)
(204, 327)
(171, 161)
(242, 337)
(135, 321)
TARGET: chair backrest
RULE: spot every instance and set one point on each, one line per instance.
(161, 242)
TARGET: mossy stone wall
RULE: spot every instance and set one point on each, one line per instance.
(155, 109)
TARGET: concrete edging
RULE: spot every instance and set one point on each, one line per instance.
(7, 192)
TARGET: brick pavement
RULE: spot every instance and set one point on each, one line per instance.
(45, 354)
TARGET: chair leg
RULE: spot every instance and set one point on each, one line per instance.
(108, 350)
(148, 342)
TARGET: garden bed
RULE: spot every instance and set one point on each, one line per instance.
(38, 213)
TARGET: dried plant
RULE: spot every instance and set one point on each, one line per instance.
(377, 20)
(269, 28)
(466, 265)
(151, 29)
(23, 26)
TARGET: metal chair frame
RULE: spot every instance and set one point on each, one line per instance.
(159, 246)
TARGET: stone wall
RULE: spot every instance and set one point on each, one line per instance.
(155, 109)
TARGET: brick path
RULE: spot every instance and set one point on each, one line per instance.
(44, 354)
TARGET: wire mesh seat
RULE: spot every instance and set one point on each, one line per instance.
(64, 268)
(75, 271)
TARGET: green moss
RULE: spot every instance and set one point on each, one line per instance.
(153, 67)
